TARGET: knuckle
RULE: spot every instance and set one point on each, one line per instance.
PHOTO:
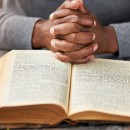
(63, 42)
(65, 59)
(68, 11)
(76, 47)
(72, 55)
(71, 46)
(73, 36)
(68, 60)
(75, 27)
(82, 53)
(60, 45)
(88, 50)
(75, 18)
(55, 22)
(65, 46)
(75, 62)
(85, 52)
(86, 60)
(78, 28)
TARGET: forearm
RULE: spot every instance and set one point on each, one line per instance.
(123, 37)
(16, 31)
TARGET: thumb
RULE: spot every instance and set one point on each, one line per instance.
(81, 6)
(76, 5)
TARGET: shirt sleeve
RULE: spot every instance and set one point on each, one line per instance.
(16, 31)
(123, 37)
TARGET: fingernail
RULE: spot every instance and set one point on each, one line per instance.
(52, 16)
(95, 47)
(92, 57)
(94, 36)
(52, 31)
(95, 23)
(53, 43)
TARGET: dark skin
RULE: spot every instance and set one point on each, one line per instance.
(74, 34)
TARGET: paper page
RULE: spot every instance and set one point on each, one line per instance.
(101, 85)
(6, 64)
(38, 78)
(1, 72)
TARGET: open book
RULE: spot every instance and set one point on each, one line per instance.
(37, 88)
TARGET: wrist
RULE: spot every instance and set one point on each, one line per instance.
(37, 34)
(111, 40)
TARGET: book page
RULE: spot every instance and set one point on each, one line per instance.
(1, 95)
(6, 64)
(102, 86)
(38, 78)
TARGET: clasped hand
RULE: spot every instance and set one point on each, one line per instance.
(75, 40)
(75, 34)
